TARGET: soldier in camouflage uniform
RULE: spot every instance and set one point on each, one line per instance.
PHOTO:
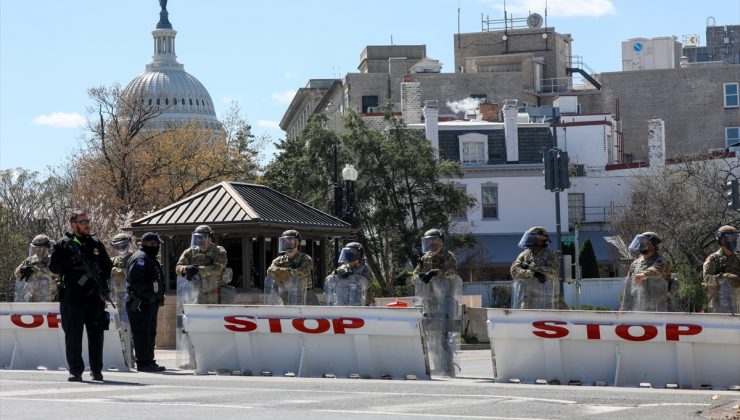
(722, 274)
(647, 281)
(203, 265)
(349, 284)
(34, 281)
(535, 273)
(290, 274)
(438, 287)
(122, 246)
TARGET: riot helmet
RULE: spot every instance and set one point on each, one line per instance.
(433, 241)
(727, 236)
(640, 242)
(290, 240)
(122, 243)
(353, 251)
(39, 247)
(533, 235)
(200, 237)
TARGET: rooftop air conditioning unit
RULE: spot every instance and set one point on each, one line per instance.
(577, 170)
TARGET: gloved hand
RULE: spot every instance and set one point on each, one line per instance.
(343, 272)
(525, 265)
(191, 271)
(135, 304)
(26, 272)
(427, 277)
(540, 277)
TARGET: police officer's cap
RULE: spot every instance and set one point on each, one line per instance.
(653, 237)
(41, 240)
(292, 233)
(434, 232)
(203, 229)
(150, 236)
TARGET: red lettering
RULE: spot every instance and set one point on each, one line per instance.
(340, 324)
(239, 323)
(593, 332)
(52, 319)
(322, 326)
(37, 321)
(275, 326)
(674, 331)
(551, 331)
(649, 332)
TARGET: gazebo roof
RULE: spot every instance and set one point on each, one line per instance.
(240, 206)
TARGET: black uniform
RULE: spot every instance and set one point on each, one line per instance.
(78, 261)
(143, 304)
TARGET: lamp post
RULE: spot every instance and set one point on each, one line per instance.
(349, 175)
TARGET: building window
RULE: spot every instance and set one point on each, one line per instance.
(732, 99)
(462, 214)
(191, 101)
(576, 207)
(489, 201)
(732, 137)
(369, 102)
(473, 149)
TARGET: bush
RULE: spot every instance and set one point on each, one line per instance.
(691, 296)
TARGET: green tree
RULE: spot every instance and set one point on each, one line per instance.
(587, 259)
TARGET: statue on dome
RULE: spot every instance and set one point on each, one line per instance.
(163, 4)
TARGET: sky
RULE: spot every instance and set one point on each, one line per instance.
(258, 53)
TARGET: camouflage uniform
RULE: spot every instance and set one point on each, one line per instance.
(346, 271)
(41, 285)
(444, 261)
(650, 294)
(536, 295)
(722, 282)
(117, 280)
(300, 266)
(211, 264)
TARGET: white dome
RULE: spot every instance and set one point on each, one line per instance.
(165, 84)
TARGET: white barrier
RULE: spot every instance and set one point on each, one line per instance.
(31, 337)
(307, 341)
(616, 348)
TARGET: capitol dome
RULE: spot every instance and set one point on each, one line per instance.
(166, 85)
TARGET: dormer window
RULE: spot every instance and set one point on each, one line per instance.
(473, 149)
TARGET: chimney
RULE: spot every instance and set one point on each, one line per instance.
(489, 111)
(656, 142)
(683, 62)
(510, 130)
(431, 125)
(410, 101)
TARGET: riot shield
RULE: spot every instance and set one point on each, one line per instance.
(207, 288)
(23, 291)
(187, 293)
(290, 291)
(119, 296)
(649, 294)
(726, 298)
(39, 287)
(228, 295)
(346, 291)
(442, 320)
(530, 293)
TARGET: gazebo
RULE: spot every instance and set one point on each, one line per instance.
(247, 220)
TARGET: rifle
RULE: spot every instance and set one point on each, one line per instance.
(92, 271)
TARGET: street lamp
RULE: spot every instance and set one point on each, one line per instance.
(349, 175)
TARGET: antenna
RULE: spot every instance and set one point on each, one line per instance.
(458, 24)
(391, 39)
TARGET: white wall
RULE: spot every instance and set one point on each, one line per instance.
(591, 145)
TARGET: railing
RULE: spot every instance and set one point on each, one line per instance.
(594, 214)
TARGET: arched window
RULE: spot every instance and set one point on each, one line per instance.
(157, 101)
(197, 103)
(183, 101)
(166, 101)
(150, 101)
(191, 101)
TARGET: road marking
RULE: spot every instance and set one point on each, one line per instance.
(70, 390)
(671, 404)
(108, 401)
(393, 413)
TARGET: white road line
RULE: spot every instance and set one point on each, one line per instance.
(97, 388)
(393, 413)
(671, 404)
(108, 401)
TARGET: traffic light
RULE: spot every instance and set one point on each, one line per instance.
(733, 194)
(557, 176)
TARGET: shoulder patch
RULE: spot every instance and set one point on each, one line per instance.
(140, 261)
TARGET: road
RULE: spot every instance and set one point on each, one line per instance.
(472, 395)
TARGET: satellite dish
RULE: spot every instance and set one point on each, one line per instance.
(534, 20)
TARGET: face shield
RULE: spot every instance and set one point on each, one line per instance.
(38, 252)
(199, 240)
(530, 239)
(348, 255)
(122, 247)
(729, 241)
(431, 243)
(288, 243)
(640, 243)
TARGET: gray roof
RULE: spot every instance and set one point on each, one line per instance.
(236, 204)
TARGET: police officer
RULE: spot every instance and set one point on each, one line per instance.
(291, 266)
(437, 260)
(722, 273)
(203, 264)
(349, 284)
(646, 284)
(121, 244)
(34, 281)
(535, 273)
(145, 283)
(84, 268)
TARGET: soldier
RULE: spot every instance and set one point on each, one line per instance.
(438, 287)
(34, 281)
(535, 273)
(722, 273)
(349, 284)
(290, 274)
(646, 284)
(203, 265)
(121, 244)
